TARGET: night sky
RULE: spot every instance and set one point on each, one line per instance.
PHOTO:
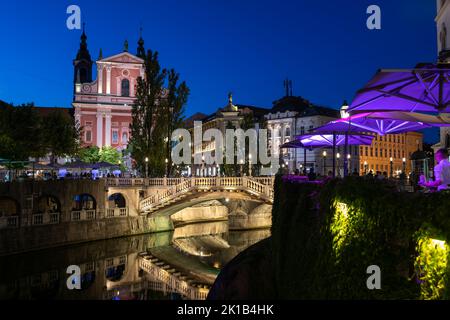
(245, 46)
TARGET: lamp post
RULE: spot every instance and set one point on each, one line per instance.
(146, 167)
(404, 165)
(338, 157)
(349, 157)
(167, 167)
(392, 168)
(324, 154)
(242, 164)
(250, 165)
(365, 167)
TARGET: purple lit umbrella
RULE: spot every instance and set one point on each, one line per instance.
(383, 123)
(318, 140)
(423, 89)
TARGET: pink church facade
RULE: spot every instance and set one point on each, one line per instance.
(102, 106)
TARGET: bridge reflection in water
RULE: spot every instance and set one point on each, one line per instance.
(175, 265)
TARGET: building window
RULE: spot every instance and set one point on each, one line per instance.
(88, 136)
(125, 137)
(288, 132)
(125, 88)
(115, 136)
(302, 130)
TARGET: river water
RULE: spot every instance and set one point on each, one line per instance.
(182, 264)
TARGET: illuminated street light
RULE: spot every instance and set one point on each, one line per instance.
(167, 167)
(324, 155)
(146, 167)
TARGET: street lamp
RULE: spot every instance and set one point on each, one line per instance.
(146, 167)
(392, 168)
(250, 165)
(349, 157)
(404, 165)
(167, 167)
(365, 167)
(324, 154)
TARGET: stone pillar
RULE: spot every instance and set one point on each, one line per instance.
(108, 130)
(108, 80)
(100, 79)
(99, 129)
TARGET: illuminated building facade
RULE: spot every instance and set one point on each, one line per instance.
(103, 106)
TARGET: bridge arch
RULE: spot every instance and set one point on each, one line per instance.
(84, 201)
(48, 204)
(117, 200)
(9, 206)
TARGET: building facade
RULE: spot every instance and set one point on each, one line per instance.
(229, 117)
(443, 45)
(291, 116)
(390, 153)
(103, 106)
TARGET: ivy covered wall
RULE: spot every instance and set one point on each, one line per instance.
(324, 237)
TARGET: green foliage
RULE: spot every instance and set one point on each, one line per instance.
(25, 133)
(90, 154)
(60, 134)
(325, 236)
(95, 155)
(431, 264)
(155, 116)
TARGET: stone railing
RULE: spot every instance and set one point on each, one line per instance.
(9, 222)
(124, 182)
(116, 212)
(265, 180)
(83, 215)
(264, 191)
(170, 279)
(39, 219)
(167, 182)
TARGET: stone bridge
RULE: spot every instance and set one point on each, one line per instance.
(53, 213)
(164, 192)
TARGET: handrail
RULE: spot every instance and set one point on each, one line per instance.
(261, 187)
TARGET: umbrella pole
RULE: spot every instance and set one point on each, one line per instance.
(304, 159)
(345, 155)
(334, 154)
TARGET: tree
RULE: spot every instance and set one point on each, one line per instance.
(60, 135)
(95, 155)
(110, 154)
(155, 114)
(146, 133)
(20, 132)
(174, 109)
(90, 154)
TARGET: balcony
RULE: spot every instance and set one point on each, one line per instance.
(39, 219)
(116, 212)
(9, 222)
(83, 215)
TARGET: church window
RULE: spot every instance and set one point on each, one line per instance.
(125, 88)
(115, 136)
(88, 137)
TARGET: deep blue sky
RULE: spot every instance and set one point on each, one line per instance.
(244, 46)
